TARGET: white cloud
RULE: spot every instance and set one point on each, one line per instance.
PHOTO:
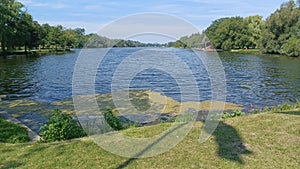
(44, 5)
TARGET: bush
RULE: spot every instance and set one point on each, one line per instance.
(12, 133)
(285, 107)
(61, 127)
(235, 113)
(112, 120)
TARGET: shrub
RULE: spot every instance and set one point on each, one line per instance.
(112, 120)
(234, 113)
(12, 133)
(237, 113)
(61, 127)
(266, 109)
(285, 107)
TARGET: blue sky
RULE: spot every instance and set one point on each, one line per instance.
(94, 14)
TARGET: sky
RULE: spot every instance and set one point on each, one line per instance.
(93, 15)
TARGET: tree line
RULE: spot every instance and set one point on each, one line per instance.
(97, 41)
(278, 34)
(20, 31)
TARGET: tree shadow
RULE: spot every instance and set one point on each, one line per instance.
(34, 150)
(230, 144)
(130, 160)
(10, 164)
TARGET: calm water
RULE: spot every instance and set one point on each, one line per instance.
(257, 80)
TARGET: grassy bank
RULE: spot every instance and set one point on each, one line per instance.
(264, 140)
(249, 51)
(12, 133)
(34, 52)
(253, 52)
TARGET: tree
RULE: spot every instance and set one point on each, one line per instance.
(54, 36)
(24, 31)
(211, 30)
(10, 11)
(80, 37)
(193, 41)
(229, 33)
(292, 47)
(255, 24)
(18, 29)
(36, 35)
(69, 38)
(281, 30)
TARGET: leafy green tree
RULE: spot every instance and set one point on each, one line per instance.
(54, 36)
(44, 31)
(80, 37)
(18, 29)
(10, 10)
(281, 30)
(255, 24)
(24, 31)
(292, 47)
(179, 44)
(211, 30)
(229, 33)
(68, 38)
(193, 41)
(36, 36)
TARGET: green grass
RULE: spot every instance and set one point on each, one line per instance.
(264, 140)
(12, 133)
(33, 52)
(249, 51)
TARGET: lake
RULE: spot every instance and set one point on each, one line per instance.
(250, 79)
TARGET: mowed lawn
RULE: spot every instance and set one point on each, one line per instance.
(266, 140)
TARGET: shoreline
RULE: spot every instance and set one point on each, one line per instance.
(242, 51)
(35, 52)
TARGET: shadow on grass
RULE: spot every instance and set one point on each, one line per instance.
(25, 154)
(230, 144)
(291, 112)
(10, 164)
(33, 151)
(130, 160)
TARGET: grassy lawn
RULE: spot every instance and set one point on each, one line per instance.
(12, 133)
(266, 140)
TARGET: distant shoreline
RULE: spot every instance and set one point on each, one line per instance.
(35, 52)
